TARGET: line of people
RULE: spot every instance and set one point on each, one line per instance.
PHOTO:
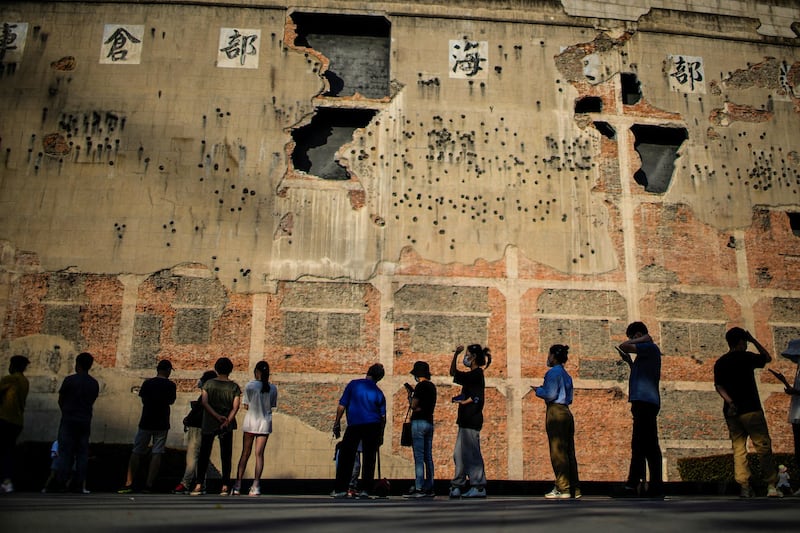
(213, 416)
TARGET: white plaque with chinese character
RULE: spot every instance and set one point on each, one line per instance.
(13, 41)
(686, 74)
(122, 44)
(238, 48)
(469, 59)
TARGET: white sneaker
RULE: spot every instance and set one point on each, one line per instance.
(455, 492)
(773, 492)
(254, 491)
(556, 494)
(475, 492)
(7, 487)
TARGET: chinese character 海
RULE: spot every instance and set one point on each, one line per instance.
(467, 58)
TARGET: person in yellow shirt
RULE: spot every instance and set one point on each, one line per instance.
(13, 393)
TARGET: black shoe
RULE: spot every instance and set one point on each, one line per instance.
(626, 492)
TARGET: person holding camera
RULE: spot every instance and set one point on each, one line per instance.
(365, 406)
(467, 453)
(556, 391)
(423, 403)
(735, 381)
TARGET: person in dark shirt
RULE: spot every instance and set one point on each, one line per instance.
(76, 399)
(735, 381)
(645, 399)
(157, 395)
(423, 403)
(467, 454)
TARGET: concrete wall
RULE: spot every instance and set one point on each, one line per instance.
(154, 205)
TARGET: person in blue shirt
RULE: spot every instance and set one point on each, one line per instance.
(365, 406)
(645, 400)
(556, 391)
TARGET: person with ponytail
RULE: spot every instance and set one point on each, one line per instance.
(259, 399)
(467, 454)
(556, 391)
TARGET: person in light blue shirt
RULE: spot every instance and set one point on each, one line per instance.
(556, 391)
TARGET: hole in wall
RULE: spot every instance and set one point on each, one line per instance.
(357, 47)
(606, 129)
(589, 104)
(658, 148)
(794, 223)
(317, 142)
(631, 88)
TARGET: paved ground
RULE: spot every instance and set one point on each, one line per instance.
(32, 512)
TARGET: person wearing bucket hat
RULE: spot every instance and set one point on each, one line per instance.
(423, 403)
(792, 353)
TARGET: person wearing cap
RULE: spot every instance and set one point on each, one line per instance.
(157, 395)
(792, 353)
(423, 403)
(365, 406)
(192, 427)
(13, 393)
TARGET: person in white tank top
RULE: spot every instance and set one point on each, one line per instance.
(259, 399)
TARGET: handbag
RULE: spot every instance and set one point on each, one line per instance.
(195, 417)
(405, 434)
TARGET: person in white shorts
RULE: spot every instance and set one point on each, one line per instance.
(259, 399)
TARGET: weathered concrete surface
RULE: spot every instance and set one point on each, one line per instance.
(155, 205)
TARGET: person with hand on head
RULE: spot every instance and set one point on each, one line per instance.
(13, 394)
(556, 391)
(423, 403)
(735, 382)
(645, 399)
(467, 455)
(259, 399)
(157, 395)
(365, 406)
(220, 399)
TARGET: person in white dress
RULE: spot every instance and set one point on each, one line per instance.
(259, 399)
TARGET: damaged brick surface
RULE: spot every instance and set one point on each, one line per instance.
(181, 209)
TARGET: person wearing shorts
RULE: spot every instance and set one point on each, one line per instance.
(157, 395)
